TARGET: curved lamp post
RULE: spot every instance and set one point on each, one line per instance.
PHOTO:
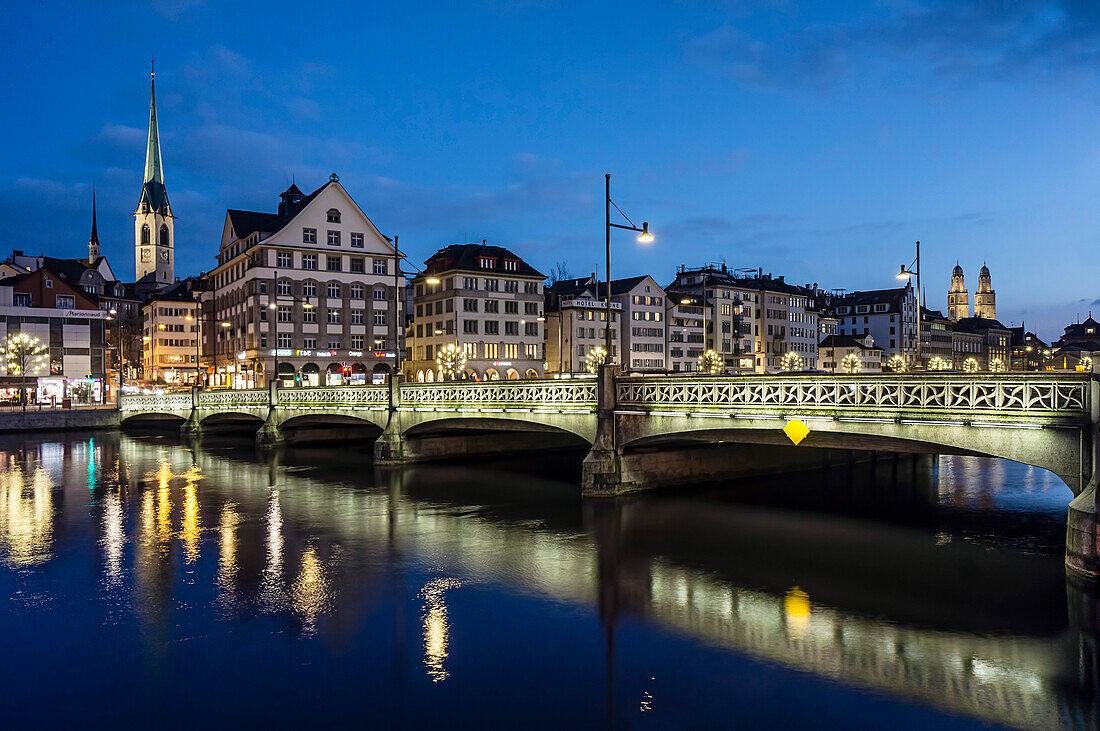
(644, 237)
(905, 273)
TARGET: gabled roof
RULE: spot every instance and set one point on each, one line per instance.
(467, 257)
(890, 297)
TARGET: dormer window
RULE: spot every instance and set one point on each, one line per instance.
(511, 265)
(487, 263)
(333, 215)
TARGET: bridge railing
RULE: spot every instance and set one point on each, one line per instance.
(335, 396)
(533, 394)
(223, 398)
(166, 403)
(1061, 395)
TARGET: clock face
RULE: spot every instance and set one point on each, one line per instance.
(146, 255)
(164, 256)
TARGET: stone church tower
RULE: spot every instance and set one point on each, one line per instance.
(958, 300)
(985, 299)
(154, 238)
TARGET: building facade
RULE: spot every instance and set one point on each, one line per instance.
(995, 343)
(170, 337)
(890, 315)
(486, 301)
(849, 354)
(311, 293)
(711, 296)
(67, 322)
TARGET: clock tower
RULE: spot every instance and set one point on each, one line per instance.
(154, 235)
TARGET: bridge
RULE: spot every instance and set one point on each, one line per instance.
(644, 432)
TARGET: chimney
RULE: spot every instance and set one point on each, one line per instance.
(781, 279)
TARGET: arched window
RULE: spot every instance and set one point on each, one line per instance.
(164, 235)
(333, 215)
(145, 234)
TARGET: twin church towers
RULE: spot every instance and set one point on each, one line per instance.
(154, 237)
(958, 299)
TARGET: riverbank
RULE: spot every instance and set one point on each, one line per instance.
(81, 419)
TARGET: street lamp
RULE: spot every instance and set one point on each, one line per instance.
(905, 273)
(644, 237)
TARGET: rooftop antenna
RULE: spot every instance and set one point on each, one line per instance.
(152, 68)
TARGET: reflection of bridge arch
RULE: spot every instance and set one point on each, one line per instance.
(418, 426)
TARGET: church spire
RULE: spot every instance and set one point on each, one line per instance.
(153, 170)
(153, 192)
(93, 240)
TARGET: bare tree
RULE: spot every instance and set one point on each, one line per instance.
(559, 273)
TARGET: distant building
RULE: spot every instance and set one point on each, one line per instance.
(171, 335)
(1079, 340)
(488, 302)
(890, 315)
(958, 299)
(1028, 352)
(993, 343)
(935, 340)
(730, 309)
(849, 354)
(985, 299)
(575, 317)
(62, 317)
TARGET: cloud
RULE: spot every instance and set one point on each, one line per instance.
(1052, 40)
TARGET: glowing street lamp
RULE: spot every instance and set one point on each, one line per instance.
(644, 237)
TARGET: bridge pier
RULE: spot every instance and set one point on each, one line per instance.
(1082, 540)
(391, 448)
(270, 434)
(192, 427)
(602, 472)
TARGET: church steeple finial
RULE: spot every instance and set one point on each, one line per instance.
(93, 240)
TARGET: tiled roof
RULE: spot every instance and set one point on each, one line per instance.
(467, 257)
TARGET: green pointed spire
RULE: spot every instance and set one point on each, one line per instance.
(153, 192)
(153, 170)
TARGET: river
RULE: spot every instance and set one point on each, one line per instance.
(146, 583)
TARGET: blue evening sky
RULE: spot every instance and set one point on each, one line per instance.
(816, 140)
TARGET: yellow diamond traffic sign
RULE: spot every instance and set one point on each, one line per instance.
(796, 430)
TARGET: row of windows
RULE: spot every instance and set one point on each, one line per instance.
(647, 315)
(487, 351)
(333, 263)
(285, 287)
(332, 317)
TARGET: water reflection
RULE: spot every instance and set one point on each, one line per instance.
(320, 543)
(26, 513)
(436, 626)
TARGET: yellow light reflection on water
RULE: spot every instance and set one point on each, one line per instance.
(796, 607)
(271, 583)
(190, 526)
(26, 515)
(310, 592)
(114, 536)
(436, 626)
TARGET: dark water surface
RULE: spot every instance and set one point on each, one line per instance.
(147, 584)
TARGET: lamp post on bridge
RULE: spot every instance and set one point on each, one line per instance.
(905, 273)
(644, 237)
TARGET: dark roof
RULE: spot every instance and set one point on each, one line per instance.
(845, 341)
(977, 324)
(891, 297)
(178, 292)
(468, 257)
(1021, 337)
(927, 314)
(246, 223)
